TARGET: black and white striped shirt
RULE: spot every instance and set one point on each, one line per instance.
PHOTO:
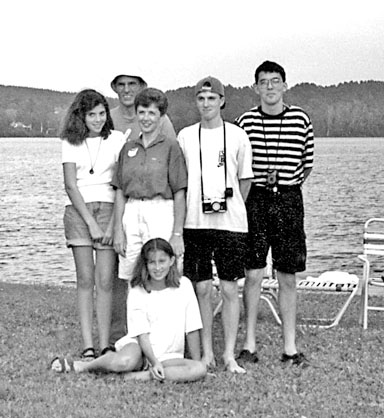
(281, 142)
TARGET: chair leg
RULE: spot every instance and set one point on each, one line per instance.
(364, 298)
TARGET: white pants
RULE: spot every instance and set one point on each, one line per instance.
(142, 221)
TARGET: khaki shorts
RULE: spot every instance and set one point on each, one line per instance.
(76, 230)
(142, 221)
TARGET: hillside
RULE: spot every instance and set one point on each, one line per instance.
(350, 109)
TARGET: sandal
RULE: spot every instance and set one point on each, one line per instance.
(298, 360)
(62, 365)
(105, 350)
(88, 354)
(248, 357)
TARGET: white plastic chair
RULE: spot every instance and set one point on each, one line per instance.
(373, 249)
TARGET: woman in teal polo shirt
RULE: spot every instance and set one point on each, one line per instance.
(150, 178)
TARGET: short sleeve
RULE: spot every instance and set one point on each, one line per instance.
(177, 169)
(244, 156)
(68, 152)
(137, 319)
(192, 311)
(117, 176)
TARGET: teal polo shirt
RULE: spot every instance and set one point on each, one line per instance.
(158, 170)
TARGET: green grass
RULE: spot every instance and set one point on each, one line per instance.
(38, 322)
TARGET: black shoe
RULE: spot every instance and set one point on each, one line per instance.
(88, 354)
(107, 349)
(247, 356)
(298, 360)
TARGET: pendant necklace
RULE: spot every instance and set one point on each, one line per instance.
(91, 171)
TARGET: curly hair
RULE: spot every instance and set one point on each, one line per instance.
(75, 130)
(140, 274)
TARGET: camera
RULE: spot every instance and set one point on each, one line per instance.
(214, 205)
(272, 178)
(228, 192)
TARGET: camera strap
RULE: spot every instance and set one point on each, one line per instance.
(266, 145)
(201, 159)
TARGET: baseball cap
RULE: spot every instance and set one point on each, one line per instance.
(141, 79)
(210, 84)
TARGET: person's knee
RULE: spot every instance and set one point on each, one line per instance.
(199, 369)
(204, 289)
(85, 281)
(254, 278)
(195, 370)
(287, 282)
(229, 290)
(104, 283)
(124, 362)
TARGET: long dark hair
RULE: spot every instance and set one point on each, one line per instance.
(140, 274)
(75, 130)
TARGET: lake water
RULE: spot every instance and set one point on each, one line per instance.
(345, 189)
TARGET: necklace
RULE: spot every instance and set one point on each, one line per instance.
(91, 171)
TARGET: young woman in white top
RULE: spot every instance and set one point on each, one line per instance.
(162, 310)
(90, 150)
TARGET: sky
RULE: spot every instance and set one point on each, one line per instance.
(75, 44)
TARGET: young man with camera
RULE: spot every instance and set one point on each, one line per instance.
(282, 145)
(218, 157)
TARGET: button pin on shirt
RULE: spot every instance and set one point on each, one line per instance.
(132, 152)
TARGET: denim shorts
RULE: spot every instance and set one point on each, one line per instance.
(276, 220)
(228, 249)
(76, 230)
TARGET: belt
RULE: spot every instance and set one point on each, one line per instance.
(280, 188)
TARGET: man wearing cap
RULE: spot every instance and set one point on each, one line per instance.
(124, 116)
(282, 144)
(218, 157)
(125, 120)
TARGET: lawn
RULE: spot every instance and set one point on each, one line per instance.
(38, 322)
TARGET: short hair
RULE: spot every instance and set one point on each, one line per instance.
(75, 130)
(140, 273)
(150, 96)
(269, 67)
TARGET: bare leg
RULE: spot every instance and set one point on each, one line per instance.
(204, 291)
(287, 304)
(184, 370)
(251, 298)
(104, 272)
(230, 318)
(85, 273)
(119, 309)
(129, 358)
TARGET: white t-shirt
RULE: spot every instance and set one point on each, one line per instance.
(239, 166)
(167, 315)
(101, 156)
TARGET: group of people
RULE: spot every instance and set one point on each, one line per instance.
(169, 205)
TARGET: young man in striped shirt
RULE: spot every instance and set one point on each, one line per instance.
(282, 147)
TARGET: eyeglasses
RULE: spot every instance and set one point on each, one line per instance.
(275, 82)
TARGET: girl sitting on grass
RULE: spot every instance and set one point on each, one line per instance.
(162, 309)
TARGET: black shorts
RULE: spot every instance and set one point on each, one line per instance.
(276, 220)
(228, 249)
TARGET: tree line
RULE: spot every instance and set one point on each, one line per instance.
(351, 109)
